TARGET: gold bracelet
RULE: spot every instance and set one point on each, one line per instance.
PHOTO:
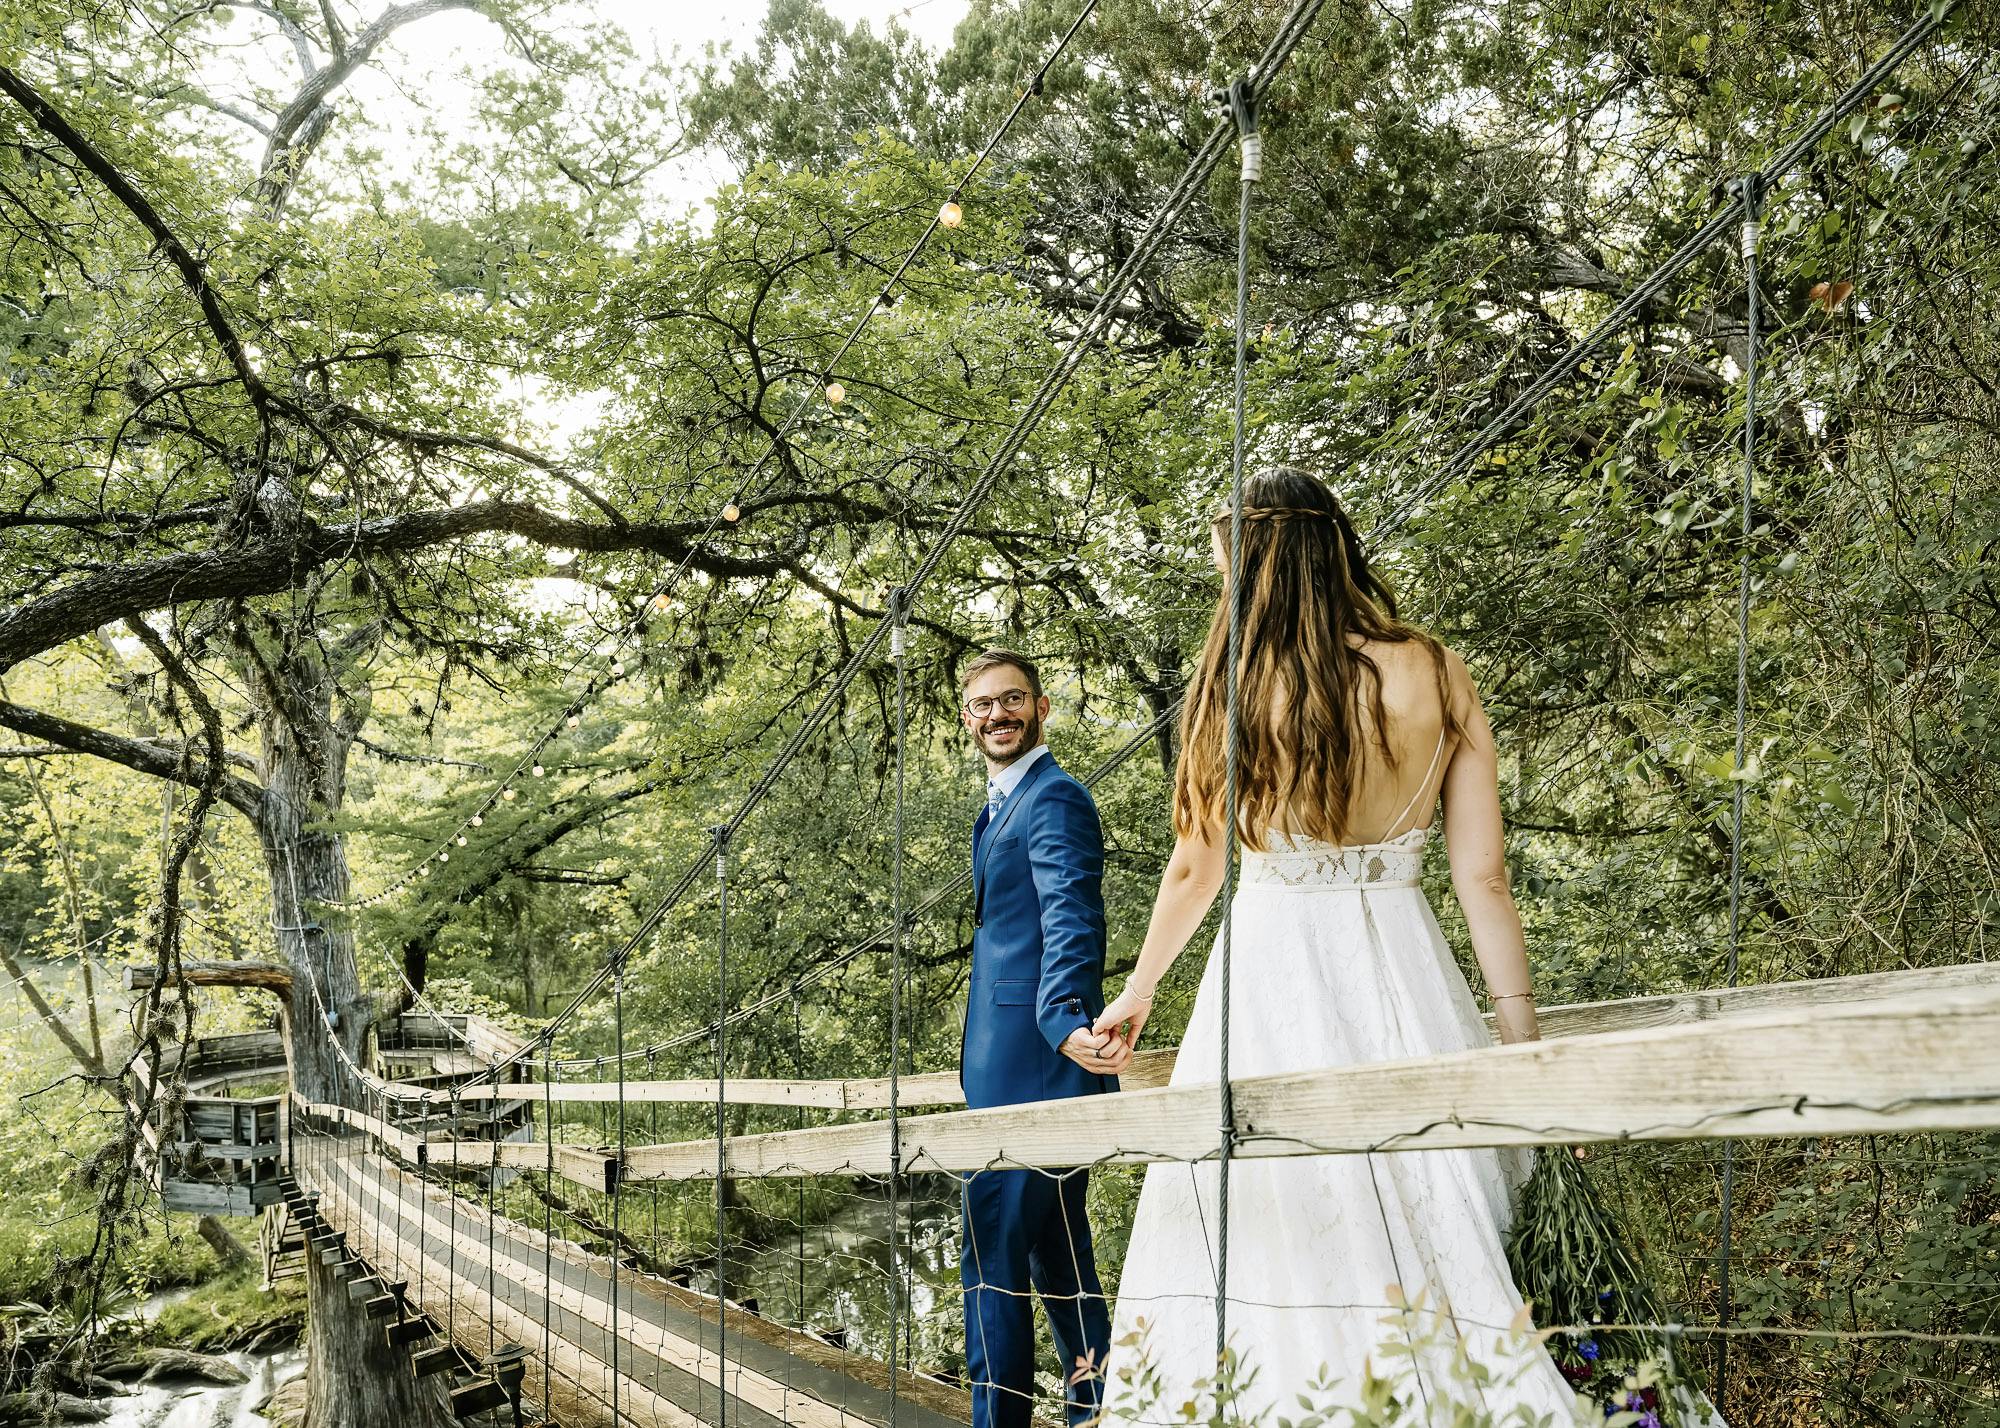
(1516, 997)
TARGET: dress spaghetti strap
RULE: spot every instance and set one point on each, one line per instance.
(1425, 783)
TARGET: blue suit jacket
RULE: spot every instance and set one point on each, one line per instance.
(1037, 943)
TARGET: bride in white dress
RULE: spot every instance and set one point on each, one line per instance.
(1352, 725)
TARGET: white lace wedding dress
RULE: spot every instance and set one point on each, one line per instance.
(1338, 959)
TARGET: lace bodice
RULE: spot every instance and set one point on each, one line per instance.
(1310, 865)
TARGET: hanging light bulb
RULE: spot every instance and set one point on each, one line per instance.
(537, 770)
(661, 601)
(508, 794)
(951, 215)
(618, 669)
(731, 513)
(835, 393)
(461, 840)
(478, 820)
(443, 856)
(571, 722)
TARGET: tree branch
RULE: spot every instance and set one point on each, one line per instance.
(158, 760)
(302, 123)
(193, 274)
(91, 1065)
(269, 566)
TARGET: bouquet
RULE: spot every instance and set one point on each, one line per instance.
(1573, 1266)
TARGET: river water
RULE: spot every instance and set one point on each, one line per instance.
(838, 1270)
(184, 1404)
(204, 1405)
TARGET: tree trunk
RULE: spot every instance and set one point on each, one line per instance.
(354, 1379)
(228, 1249)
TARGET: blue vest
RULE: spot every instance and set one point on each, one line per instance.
(1037, 943)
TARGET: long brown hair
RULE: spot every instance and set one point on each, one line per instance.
(1308, 592)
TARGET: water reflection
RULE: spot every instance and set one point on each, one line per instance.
(833, 1278)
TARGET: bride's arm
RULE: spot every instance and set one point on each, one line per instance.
(1187, 890)
(1478, 850)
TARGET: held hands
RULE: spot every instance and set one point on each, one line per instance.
(1098, 1054)
(1124, 1019)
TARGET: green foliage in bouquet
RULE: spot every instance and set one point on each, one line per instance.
(1573, 1267)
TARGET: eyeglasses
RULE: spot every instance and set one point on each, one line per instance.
(1013, 701)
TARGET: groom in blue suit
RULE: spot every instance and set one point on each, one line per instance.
(1037, 985)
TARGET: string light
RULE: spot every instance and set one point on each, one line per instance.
(537, 770)
(618, 669)
(571, 722)
(508, 794)
(951, 215)
(731, 514)
(478, 820)
(461, 840)
(835, 393)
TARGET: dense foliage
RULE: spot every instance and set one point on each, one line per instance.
(380, 443)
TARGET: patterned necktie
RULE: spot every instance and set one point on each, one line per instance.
(994, 798)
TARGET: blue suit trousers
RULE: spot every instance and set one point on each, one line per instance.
(1026, 1232)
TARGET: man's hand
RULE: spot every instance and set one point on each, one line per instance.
(1099, 1055)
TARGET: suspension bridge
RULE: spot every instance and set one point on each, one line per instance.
(389, 1194)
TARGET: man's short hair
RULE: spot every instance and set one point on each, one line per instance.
(995, 659)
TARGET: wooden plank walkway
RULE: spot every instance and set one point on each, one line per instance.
(667, 1368)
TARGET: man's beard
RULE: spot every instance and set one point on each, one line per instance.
(1025, 742)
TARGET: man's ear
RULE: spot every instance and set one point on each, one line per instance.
(1042, 707)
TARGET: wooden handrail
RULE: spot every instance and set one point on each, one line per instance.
(1154, 1068)
(1889, 1064)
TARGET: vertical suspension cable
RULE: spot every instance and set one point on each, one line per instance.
(492, 1183)
(451, 1242)
(423, 1195)
(721, 835)
(1242, 105)
(402, 1274)
(1750, 194)
(899, 639)
(653, 1137)
(548, 1216)
(799, 1119)
(617, 1175)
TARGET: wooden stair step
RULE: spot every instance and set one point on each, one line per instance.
(445, 1358)
(411, 1331)
(479, 1396)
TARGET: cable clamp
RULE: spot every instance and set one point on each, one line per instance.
(1239, 101)
(899, 629)
(1253, 157)
(1749, 190)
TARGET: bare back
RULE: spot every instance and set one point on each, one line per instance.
(1391, 800)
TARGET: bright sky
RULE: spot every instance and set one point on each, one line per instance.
(418, 75)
